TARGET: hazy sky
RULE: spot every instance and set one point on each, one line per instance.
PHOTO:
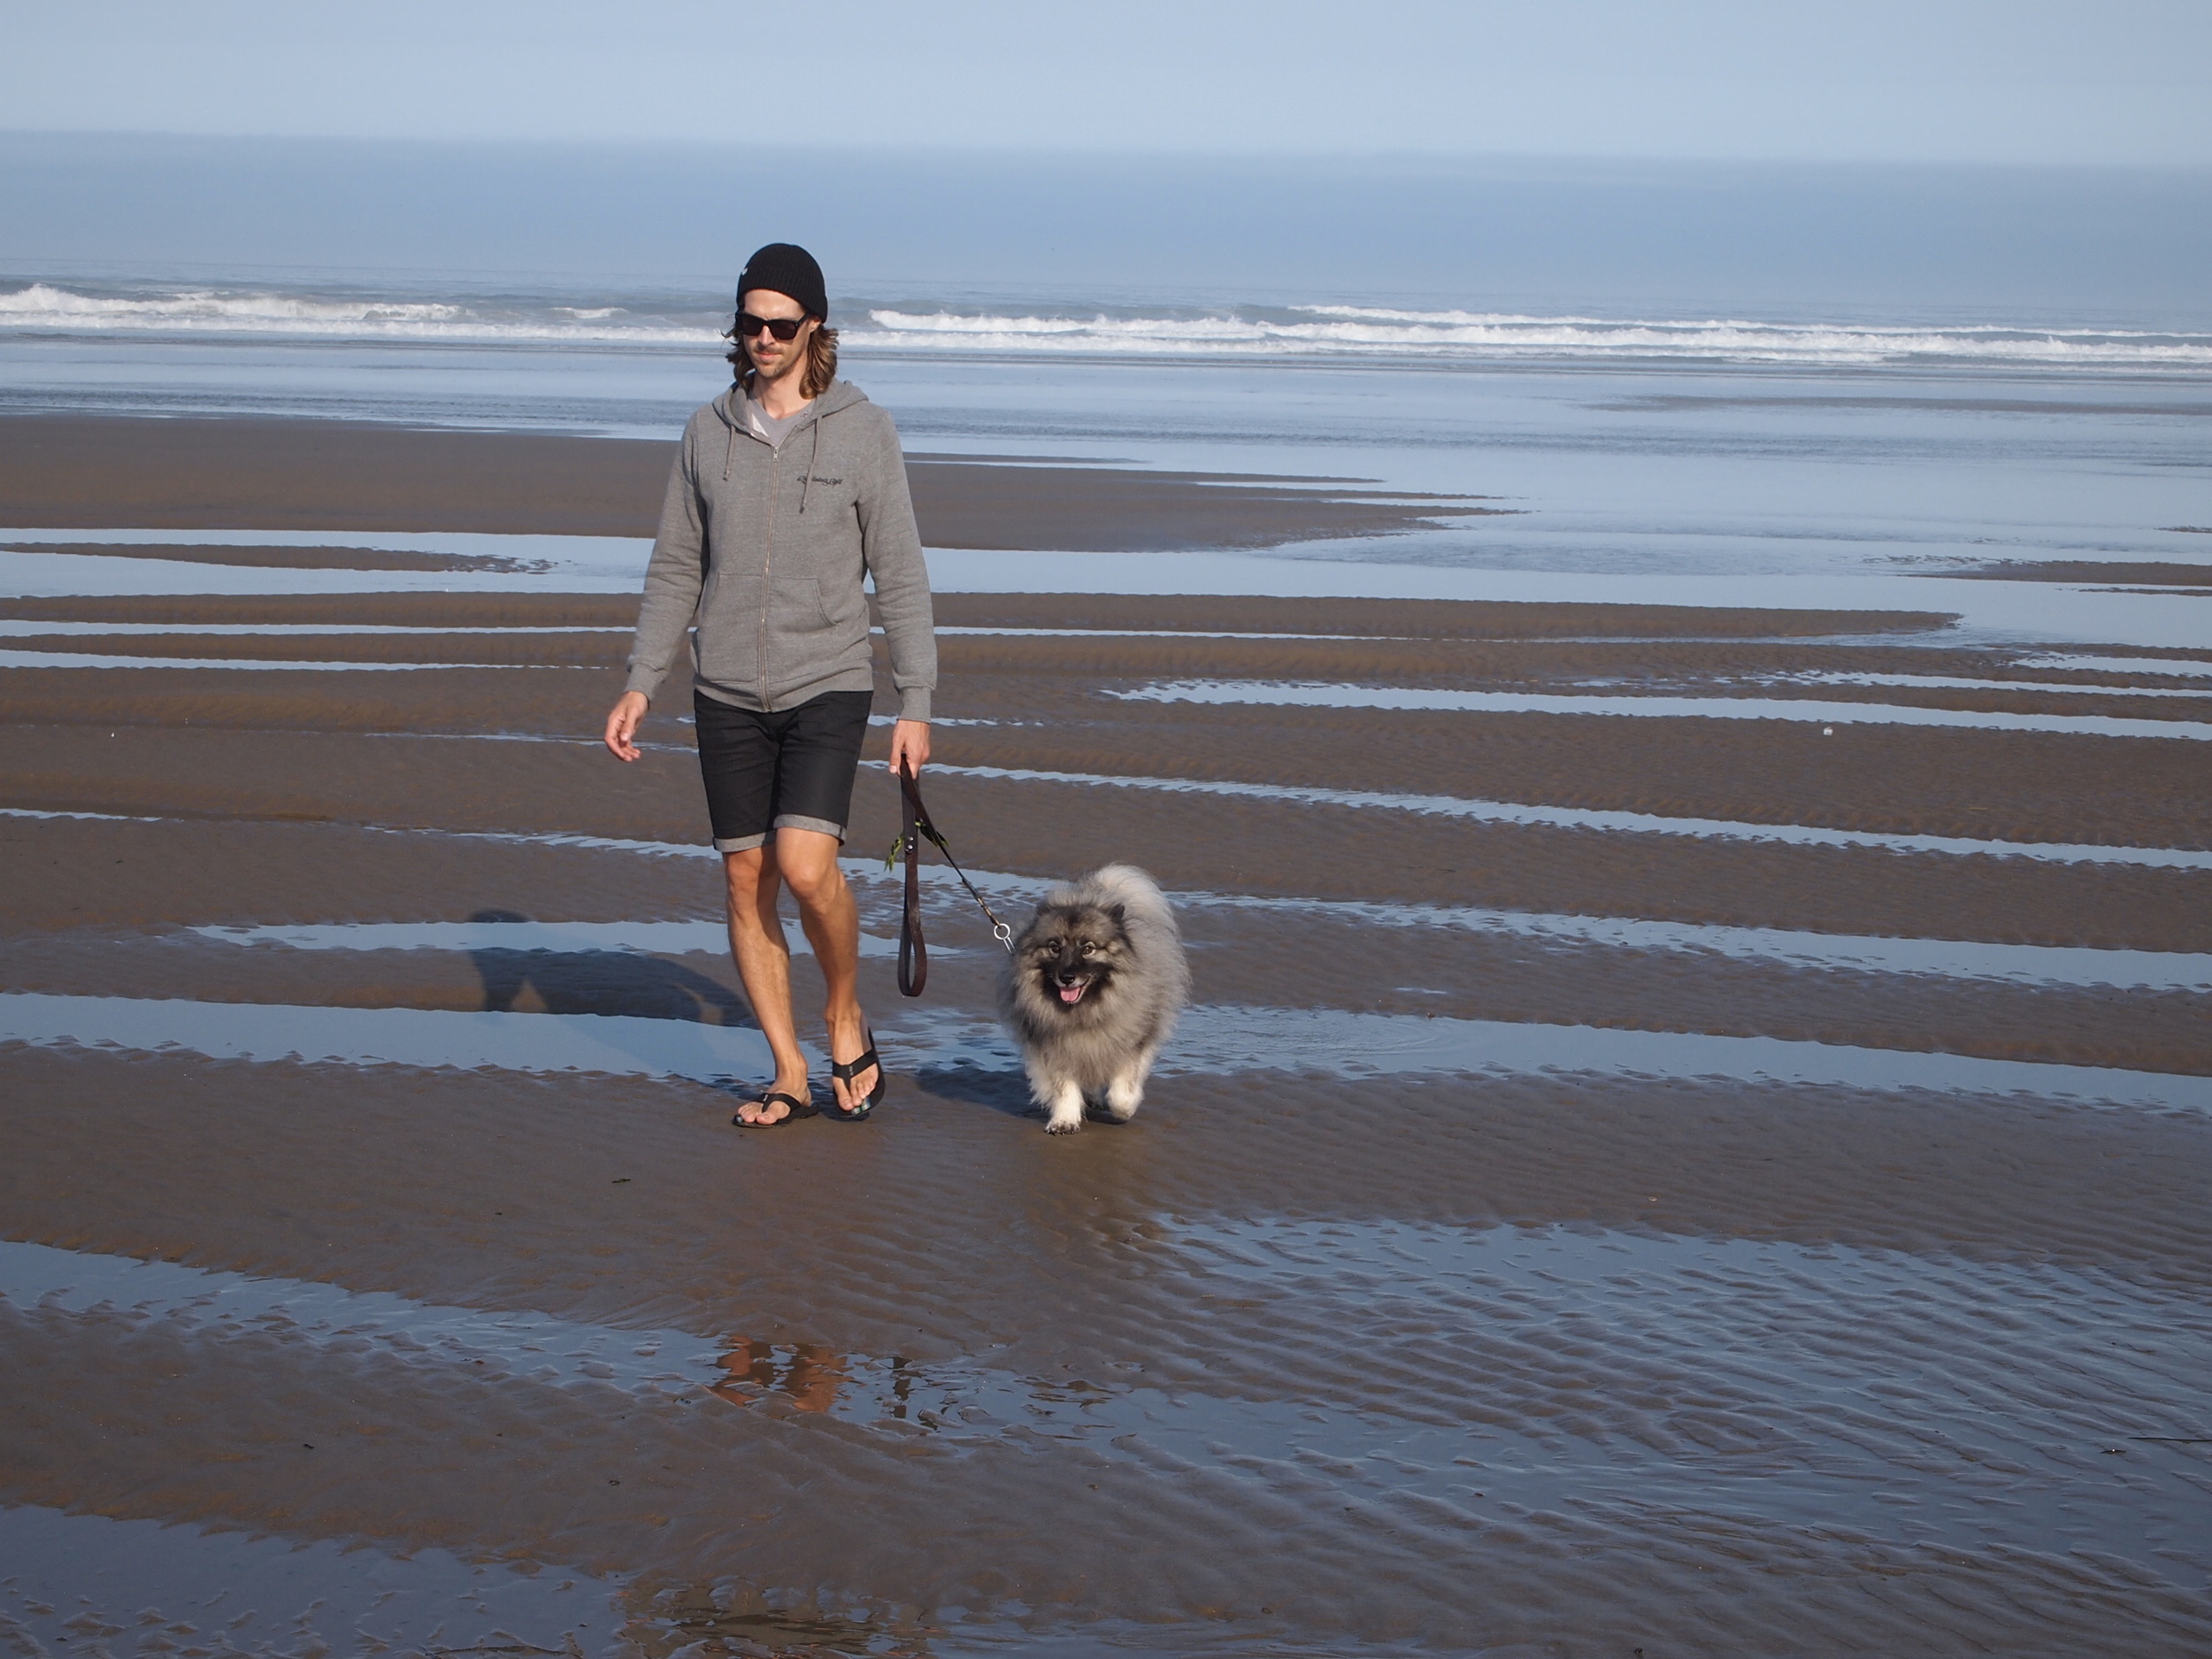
(2093, 81)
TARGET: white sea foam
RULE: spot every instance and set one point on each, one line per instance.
(44, 308)
(1361, 330)
(661, 322)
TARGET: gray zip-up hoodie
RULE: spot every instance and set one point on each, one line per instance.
(762, 549)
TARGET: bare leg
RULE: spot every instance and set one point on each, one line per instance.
(808, 859)
(764, 963)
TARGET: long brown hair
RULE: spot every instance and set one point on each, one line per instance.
(821, 359)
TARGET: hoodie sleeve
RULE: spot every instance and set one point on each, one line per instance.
(672, 578)
(891, 547)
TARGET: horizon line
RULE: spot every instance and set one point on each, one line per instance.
(1032, 155)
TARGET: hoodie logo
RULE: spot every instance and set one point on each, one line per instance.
(819, 479)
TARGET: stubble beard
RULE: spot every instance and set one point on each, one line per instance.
(767, 375)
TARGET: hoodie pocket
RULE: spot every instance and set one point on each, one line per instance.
(729, 629)
(800, 608)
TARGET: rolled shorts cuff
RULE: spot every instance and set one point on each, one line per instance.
(789, 820)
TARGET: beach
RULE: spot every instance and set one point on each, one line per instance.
(1690, 1138)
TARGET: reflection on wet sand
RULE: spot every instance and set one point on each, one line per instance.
(806, 1376)
(706, 1623)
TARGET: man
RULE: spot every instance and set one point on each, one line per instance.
(788, 489)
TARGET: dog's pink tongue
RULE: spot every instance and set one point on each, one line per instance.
(1072, 994)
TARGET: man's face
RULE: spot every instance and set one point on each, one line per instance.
(769, 354)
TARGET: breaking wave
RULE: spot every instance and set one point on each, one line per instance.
(1319, 330)
(43, 307)
(629, 321)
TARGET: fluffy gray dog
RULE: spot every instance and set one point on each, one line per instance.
(1091, 992)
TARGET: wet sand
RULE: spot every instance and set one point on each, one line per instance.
(2138, 573)
(300, 558)
(94, 470)
(1636, 1224)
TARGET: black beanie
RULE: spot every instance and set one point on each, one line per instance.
(786, 268)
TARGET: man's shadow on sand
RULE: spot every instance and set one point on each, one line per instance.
(603, 982)
(653, 988)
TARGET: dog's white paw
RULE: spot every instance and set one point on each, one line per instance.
(1064, 1110)
(1123, 1095)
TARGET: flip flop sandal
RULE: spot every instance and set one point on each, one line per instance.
(796, 1109)
(852, 1069)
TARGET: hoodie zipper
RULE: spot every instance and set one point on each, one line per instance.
(768, 552)
(767, 567)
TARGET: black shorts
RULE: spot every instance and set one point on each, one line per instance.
(792, 770)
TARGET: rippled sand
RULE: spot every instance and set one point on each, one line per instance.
(1680, 1185)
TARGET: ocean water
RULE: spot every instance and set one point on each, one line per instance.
(1632, 448)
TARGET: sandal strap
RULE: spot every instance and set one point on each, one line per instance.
(852, 1069)
(795, 1109)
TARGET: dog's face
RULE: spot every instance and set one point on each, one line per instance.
(1072, 951)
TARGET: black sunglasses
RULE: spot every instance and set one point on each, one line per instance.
(782, 327)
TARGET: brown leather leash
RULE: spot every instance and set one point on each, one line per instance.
(913, 952)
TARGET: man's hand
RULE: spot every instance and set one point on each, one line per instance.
(910, 745)
(622, 723)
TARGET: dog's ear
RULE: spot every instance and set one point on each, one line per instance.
(1119, 912)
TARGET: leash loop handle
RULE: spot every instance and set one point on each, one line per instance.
(913, 951)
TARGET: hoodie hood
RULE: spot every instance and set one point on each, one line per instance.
(840, 394)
